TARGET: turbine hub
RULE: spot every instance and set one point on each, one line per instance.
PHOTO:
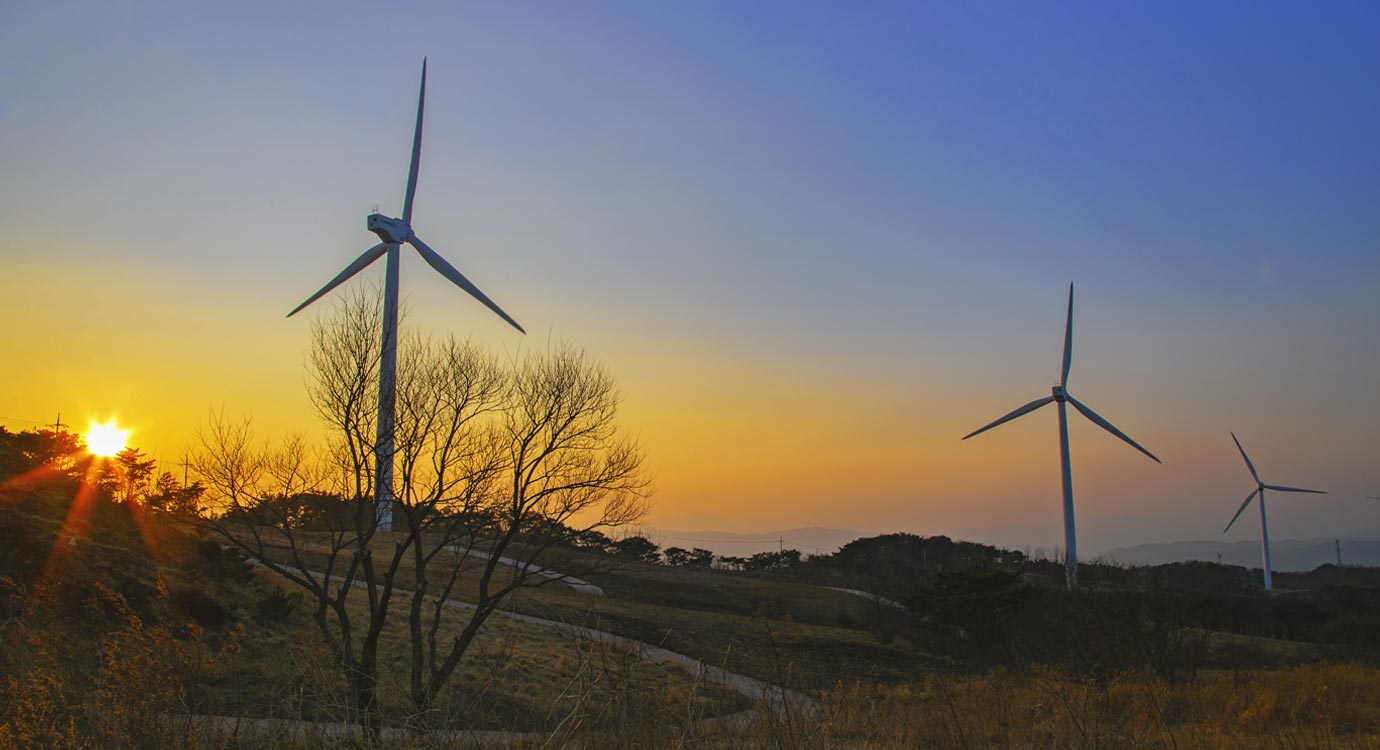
(391, 231)
(1059, 394)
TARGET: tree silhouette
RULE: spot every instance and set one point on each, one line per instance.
(30, 450)
(688, 558)
(170, 496)
(638, 548)
(496, 466)
(125, 477)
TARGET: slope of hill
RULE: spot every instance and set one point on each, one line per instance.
(117, 620)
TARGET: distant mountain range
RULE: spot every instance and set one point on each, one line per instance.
(1285, 554)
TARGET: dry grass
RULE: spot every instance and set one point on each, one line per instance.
(1317, 706)
(581, 696)
(108, 675)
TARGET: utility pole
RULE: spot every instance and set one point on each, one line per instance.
(57, 426)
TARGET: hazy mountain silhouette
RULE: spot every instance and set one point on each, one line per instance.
(1286, 554)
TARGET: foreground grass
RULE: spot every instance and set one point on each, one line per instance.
(144, 674)
(117, 641)
(1316, 706)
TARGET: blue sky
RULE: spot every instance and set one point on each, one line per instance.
(829, 236)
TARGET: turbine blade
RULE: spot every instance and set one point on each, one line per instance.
(1032, 406)
(1068, 341)
(1282, 488)
(1249, 465)
(1240, 510)
(1108, 426)
(416, 152)
(1373, 497)
(447, 270)
(369, 256)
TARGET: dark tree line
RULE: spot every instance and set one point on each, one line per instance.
(128, 477)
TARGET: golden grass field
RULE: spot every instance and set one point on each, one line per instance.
(103, 672)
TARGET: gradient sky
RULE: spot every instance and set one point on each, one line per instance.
(816, 243)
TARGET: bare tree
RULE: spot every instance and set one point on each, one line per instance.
(496, 464)
(565, 470)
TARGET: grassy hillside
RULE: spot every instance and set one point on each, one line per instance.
(117, 623)
(117, 620)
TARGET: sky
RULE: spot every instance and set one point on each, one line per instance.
(815, 243)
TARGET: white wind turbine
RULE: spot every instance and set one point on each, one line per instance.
(1260, 488)
(1060, 396)
(393, 233)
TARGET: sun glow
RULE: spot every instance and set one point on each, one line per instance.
(106, 439)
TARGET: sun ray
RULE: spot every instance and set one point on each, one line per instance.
(140, 515)
(75, 522)
(31, 477)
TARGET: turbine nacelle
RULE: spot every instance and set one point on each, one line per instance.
(391, 231)
(1059, 394)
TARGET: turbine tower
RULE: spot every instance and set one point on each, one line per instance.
(393, 233)
(1260, 488)
(1061, 396)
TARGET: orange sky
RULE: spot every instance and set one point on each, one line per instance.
(815, 243)
(736, 441)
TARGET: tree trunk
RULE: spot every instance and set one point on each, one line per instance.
(364, 683)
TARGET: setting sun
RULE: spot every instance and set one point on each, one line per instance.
(106, 439)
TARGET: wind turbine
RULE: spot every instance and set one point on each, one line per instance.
(1260, 488)
(1060, 396)
(393, 233)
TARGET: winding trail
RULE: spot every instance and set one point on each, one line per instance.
(779, 700)
(871, 597)
(580, 586)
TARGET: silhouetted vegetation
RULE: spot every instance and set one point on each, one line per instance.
(897, 566)
(120, 623)
(637, 548)
(689, 558)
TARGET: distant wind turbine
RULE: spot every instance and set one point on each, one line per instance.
(1260, 488)
(393, 233)
(1060, 395)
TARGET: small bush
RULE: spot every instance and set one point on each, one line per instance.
(276, 607)
(200, 606)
